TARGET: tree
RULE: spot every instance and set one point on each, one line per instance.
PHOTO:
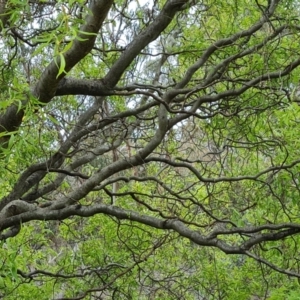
(149, 148)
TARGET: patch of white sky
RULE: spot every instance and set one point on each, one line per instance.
(146, 6)
(148, 65)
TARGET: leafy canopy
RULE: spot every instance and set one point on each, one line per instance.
(149, 149)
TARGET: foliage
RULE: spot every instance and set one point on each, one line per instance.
(149, 149)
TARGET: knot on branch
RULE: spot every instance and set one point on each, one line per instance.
(16, 207)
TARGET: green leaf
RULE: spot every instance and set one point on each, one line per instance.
(62, 65)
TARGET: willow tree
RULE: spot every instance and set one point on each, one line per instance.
(149, 148)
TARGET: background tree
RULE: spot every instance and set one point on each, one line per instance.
(144, 142)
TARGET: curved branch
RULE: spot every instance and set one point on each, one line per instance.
(46, 87)
(171, 224)
(221, 179)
